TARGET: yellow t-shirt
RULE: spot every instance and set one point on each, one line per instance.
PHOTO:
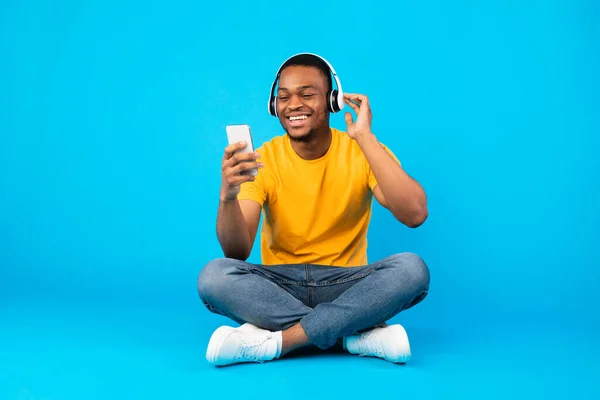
(314, 211)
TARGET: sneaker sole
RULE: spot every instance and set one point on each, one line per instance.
(216, 342)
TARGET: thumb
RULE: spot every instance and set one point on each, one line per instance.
(348, 117)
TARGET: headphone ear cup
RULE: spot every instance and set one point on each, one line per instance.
(273, 106)
(329, 101)
(333, 101)
(340, 100)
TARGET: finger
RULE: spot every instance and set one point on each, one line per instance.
(365, 107)
(242, 157)
(239, 179)
(246, 156)
(353, 96)
(353, 105)
(357, 98)
(244, 166)
(232, 148)
(348, 118)
(231, 167)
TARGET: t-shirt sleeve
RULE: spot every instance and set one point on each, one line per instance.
(371, 176)
(254, 190)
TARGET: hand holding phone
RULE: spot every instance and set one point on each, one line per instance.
(241, 134)
(239, 161)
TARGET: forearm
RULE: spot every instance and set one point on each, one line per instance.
(404, 196)
(232, 230)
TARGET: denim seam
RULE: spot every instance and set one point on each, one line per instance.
(284, 282)
(344, 280)
(308, 285)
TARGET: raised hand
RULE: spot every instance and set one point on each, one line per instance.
(360, 104)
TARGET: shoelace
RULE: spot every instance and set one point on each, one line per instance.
(252, 349)
(370, 343)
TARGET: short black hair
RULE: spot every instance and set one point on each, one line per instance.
(309, 60)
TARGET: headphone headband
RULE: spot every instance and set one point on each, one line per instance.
(335, 97)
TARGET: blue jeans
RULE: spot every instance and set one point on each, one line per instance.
(329, 302)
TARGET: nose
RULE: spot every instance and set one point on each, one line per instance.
(294, 102)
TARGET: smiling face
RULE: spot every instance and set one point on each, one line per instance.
(301, 102)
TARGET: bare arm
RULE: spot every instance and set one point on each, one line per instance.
(237, 223)
(395, 190)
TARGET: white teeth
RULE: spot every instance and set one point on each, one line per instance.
(298, 117)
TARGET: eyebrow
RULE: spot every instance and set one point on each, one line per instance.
(300, 87)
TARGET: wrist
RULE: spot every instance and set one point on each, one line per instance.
(365, 138)
(227, 199)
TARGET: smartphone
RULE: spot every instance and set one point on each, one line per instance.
(239, 133)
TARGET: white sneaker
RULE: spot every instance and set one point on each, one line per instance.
(247, 343)
(389, 342)
(248, 327)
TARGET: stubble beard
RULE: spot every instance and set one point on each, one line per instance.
(311, 134)
(306, 138)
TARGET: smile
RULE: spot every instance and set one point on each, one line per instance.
(298, 117)
(298, 120)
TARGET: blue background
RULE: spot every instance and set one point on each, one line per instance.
(112, 129)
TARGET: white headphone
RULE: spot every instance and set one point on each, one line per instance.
(335, 98)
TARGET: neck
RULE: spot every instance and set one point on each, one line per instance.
(315, 146)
